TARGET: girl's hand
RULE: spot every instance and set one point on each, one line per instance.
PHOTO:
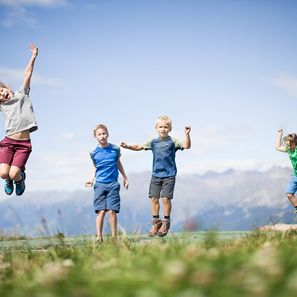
(33, 49)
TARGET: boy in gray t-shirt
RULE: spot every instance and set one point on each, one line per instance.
(16, 147)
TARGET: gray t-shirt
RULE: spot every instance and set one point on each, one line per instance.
(18, 113)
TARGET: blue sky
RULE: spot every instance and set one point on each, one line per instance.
(228, 68)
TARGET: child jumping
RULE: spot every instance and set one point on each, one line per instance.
(107, 165)
(164, 171)
(20, 121)
(290, 142)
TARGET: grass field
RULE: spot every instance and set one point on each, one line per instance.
(185, 265)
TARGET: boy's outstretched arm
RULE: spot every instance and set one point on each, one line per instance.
(122, 171)
(278, 144)
(187, 143)
(133, 147)
(30, 66)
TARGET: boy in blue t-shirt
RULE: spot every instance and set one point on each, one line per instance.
(107, 164)
(164, 171)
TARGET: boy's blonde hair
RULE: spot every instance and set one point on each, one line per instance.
(164, 118)
(100, 126)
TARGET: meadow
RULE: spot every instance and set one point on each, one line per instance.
(203, 264)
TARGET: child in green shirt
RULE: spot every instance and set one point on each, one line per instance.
(288, 145)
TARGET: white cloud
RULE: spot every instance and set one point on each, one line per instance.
(58, 170)
(23, 3)
(288, 84)
(19, 13)
(67, 136)
(13, 76)
(213, 139)
(210, 150)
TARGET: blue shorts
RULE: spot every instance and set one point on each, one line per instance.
(107, 196)
(292, 185)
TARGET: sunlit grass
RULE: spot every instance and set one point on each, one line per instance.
(257, 264)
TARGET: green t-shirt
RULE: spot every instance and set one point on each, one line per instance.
(293, 158)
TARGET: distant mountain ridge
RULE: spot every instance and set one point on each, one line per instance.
(231, 200)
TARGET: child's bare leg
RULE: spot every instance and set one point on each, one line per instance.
(15, 173)
(167, 206)
(292, 199)
(155, 206)
(166, 221)
(99, 223)
(4, 171)
(113, 222)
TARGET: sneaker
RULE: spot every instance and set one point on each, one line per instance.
(156, 225)
(20, 185)
(164, 228)
(8, 187)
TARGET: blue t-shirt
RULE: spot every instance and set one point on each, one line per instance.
(164, 155)
(105, 160)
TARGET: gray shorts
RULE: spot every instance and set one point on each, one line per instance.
(161, 187)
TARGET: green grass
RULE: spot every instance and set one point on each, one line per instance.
(188, 265)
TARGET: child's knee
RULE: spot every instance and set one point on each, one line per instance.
(14, 175)
(290, 196)
(155, 200)
(4, 174)
(166, 200)
(4, 171)
(101, 212)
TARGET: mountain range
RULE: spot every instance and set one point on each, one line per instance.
(231, 200)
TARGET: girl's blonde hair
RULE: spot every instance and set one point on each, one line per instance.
(100, 126)
(164, 118)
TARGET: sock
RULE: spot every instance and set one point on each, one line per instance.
(167, 217)
(155, 216)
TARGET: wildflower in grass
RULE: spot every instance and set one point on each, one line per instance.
(175, 270)
(191, 251)
(203, 276)
(100, 265)
(53, 272)
(4, 266)
(255, 284)
(213, 253)
(265, 258)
